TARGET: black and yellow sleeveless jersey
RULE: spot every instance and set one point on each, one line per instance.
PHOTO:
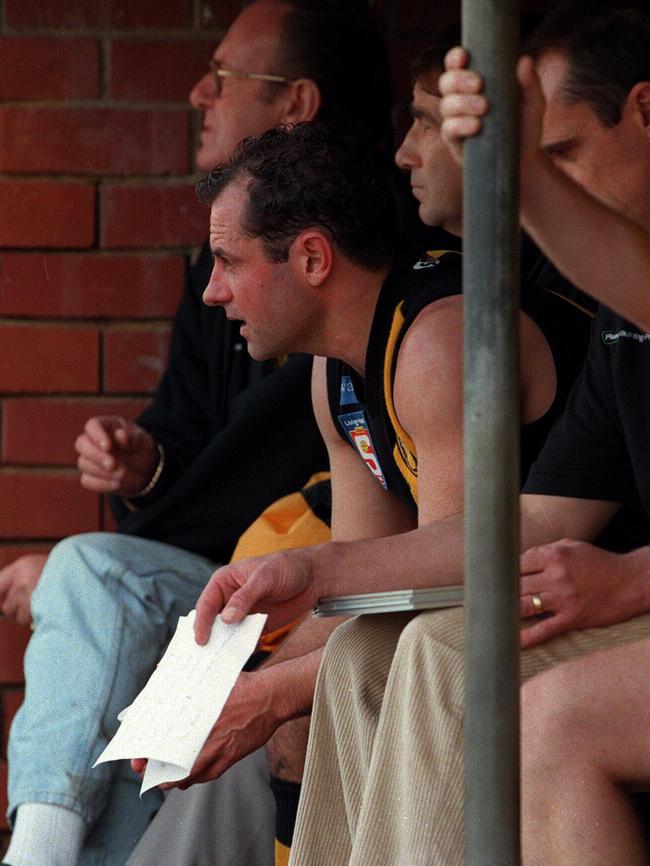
(362, 409)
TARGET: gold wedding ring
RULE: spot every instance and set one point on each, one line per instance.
(538, 604)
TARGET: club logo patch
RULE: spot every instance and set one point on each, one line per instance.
(356, 428)
(428, 260)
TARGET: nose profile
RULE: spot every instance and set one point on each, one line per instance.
(406, 155)
(202, 94)
(215, 293)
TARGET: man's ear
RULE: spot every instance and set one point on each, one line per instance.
(302, 101)
(639, 99)
(313, 256)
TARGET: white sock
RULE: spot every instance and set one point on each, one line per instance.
(46, 835)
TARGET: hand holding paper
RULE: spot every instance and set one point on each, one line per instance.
(171, 718)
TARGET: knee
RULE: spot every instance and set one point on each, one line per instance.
(287, 748)
(64, 558)
(552, 720)
(351, 651)
(429, 662)
(71, 564)
(74, 549)
(435, 637)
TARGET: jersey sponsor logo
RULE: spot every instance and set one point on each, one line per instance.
(348, 396)
(610, 337)
(428, 260)
(356, 428)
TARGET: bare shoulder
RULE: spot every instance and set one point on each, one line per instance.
(428, 374)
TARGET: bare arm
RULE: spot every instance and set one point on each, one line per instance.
(580, 242)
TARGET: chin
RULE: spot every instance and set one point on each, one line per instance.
(257, 354)
(206, 161)
(425, 214)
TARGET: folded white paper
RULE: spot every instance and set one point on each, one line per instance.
(170, 719)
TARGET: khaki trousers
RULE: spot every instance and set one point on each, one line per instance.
(384, 783)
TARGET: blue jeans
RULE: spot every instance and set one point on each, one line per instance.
(103, 610)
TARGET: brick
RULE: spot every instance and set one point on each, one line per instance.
(149, 216)
(11, 701)
(13, 641)
(45, 505)
(44, 431)
(45, 214)
(218, 13)
(44, 68)
(45, 359)
(135, 286)
(157, 71)
(134, 359)
(111, 14)
(3, 796)
(93, 140)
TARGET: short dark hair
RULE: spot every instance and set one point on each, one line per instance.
(304, 177)
(607, 46)
(431, 61)
(338, 44)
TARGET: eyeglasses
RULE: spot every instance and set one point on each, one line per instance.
(218, 74)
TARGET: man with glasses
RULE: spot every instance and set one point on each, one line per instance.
(224, 437)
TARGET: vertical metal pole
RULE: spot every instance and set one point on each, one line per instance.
(491, 342)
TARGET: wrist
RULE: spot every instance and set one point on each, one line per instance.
(155, 478)
(326, 561)
(290, 686)
(637, 575)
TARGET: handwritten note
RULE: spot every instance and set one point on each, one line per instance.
(170, 720)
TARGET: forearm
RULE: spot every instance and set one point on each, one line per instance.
(428, 556)
(635, 582)
(310, 634)
(577, 233)
(432, 555)
(291, 684)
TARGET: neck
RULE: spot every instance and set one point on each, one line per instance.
(348, 319)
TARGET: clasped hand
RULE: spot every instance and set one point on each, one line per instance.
(580, 586)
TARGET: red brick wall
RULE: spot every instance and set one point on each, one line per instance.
(96, 141)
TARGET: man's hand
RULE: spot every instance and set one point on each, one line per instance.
(115, 456)
(280, 584)
(251, 714)
(581, 586)
(17, 582)
(463, 104)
